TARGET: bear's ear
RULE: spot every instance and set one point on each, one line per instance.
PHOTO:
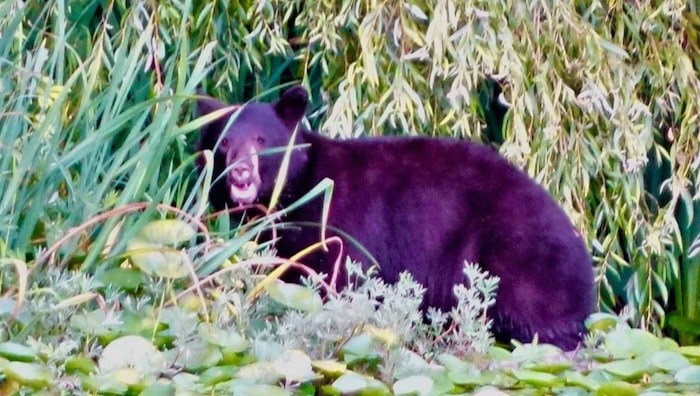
(207, 104)
(291, 106)
(209, 132)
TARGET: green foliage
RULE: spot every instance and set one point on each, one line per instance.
(603, 106)
(223, 340)
(597, 101)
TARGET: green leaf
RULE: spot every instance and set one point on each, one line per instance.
(229, 339)
(18, 352)
(489, 391)
(351, 382)
(330, 368)
(159, 389)
(626, 343)
(688, 375)
(216, 374)
(616, 388)
(80, 364)
(690, 351)
(525, 352)
(295, 366)
(536, 378)
(360, 347)
(414, 385)
(29, 374)
(669, 360)
(131, 351)
(155, 259)
(601, 321)
(167, 232)
(628, 369)
(259, 373)
(414, 364)
(153, 249)
(93, 322)
(467, 377)
(499, 354)
(201, 355)
(577, 379)
(294, 296)
(122, 278)
(243, 389)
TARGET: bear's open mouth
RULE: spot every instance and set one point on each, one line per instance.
(243, 192)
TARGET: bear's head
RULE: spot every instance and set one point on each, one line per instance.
(243, 152)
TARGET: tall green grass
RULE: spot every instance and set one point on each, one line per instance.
(82, 134)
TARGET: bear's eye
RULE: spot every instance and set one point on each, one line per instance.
(224, 142)
(260, 140)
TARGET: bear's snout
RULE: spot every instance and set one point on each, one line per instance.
(241, 171)
(244, 175)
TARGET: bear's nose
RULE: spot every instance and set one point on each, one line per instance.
(241, 171)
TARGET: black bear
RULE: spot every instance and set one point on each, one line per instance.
(419, 204)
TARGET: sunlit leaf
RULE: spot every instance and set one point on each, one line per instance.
(230, 339)
(294, 296)
(628, 369)
(669, 360)
(415, 385)
(131, 352)
(617, 388)
(30, 374)
(536, 378)
(18, 352)
(329, 367)
(688, 375)
(295, 366)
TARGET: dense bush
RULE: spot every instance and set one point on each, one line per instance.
(597, 101)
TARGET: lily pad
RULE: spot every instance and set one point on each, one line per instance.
(352, 383)
(294, 296)
(167, 232)
(79, 364)
(259, 373)
(688, 375)
(159, 389)
(690, 351)
(229, 339)
(17, 352)
(295, 365)
(601, 321)
(669, 360)
(199, 355)
(156, 259)
(330, 367)
(625, 343)
(153, 249)
(33, 375)
(216, 374)
(628, 368)
(131, 351)
(360, 347)
(616, 388)
(414, 385)
(536, 378)
(577, 379)
(244, 389)
(122, 278)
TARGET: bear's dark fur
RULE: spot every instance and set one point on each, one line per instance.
(419, 204)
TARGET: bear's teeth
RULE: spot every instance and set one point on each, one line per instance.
(244, 193)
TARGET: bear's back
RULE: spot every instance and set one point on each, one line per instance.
(426, 205)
